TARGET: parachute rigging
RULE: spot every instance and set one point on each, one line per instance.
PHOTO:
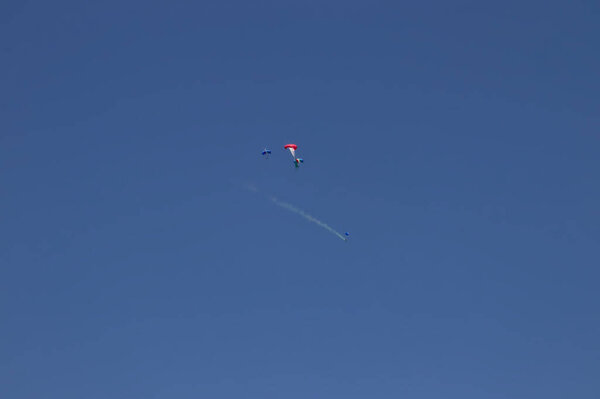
(292, 148)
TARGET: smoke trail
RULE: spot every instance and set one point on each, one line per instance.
(250, 187)
(306, 216)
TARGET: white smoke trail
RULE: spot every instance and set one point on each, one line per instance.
(250, 187)
(306, 216)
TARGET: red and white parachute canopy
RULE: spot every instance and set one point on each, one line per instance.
(292, 148)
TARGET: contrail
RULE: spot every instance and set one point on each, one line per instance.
(306, 216)
(250, 187)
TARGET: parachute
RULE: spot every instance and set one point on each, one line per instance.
(266, 153)
(292, 148)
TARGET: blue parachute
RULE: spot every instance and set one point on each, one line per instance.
(266, 153)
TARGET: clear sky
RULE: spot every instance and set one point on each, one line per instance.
(457, 141)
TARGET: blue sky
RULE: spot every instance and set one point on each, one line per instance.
(457, 142)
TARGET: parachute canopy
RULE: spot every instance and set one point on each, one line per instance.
(266, 152)
(292, 148)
